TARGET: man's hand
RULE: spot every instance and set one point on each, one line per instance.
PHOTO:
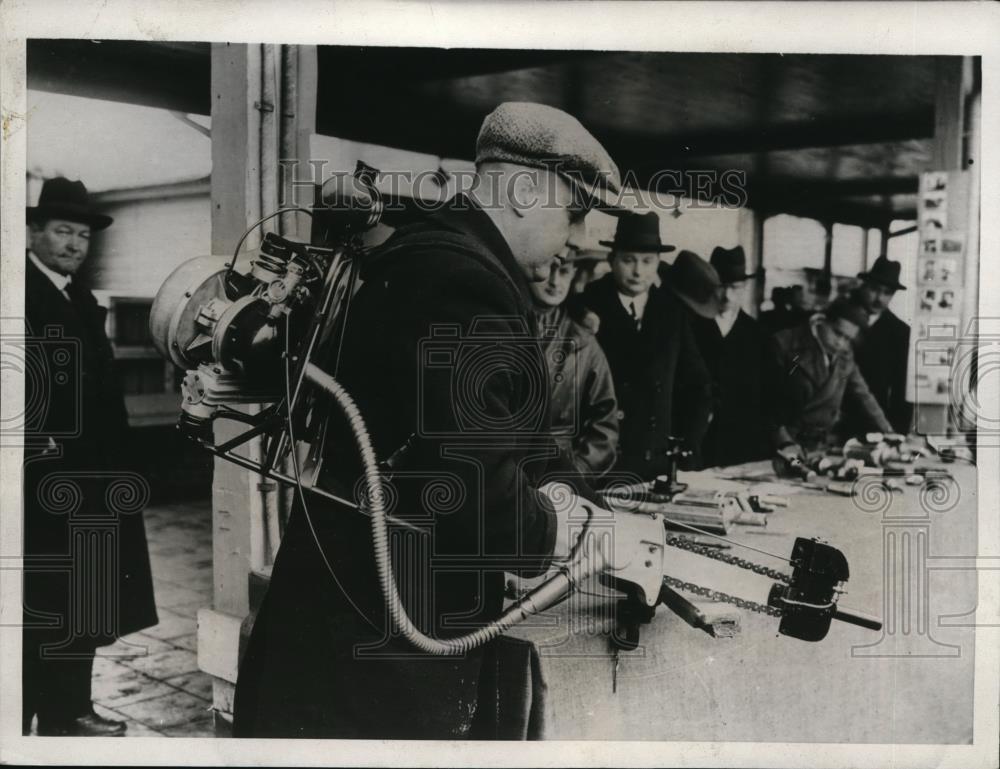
(573, 514)
(792, 452)
(591, 321)
(593, 539)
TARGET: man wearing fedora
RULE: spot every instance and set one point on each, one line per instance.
(660, 379)
(78, 437)
(883, 352)
(584, 409)
(814, 375)
(734, 348)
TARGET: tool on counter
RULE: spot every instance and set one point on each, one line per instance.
(667, 483)
(711, 510)
(836, 469)
(793, 467)
(766, 503)
(805, 600)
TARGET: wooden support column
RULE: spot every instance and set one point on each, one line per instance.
(752, 234)
(255, 95)
(828, 249)
(949, 109)
(971, 160)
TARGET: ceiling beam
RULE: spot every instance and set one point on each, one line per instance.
(861, 129)
(827, 188)
(173, 76)
(416, 65)
(832, 210)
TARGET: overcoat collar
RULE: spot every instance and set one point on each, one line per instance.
(464, 215)
(808, 357)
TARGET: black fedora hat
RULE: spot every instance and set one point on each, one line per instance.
(696, 282)
(64, 199)
(845, 309)
(639, 233)
(731, 264)
(885, 273)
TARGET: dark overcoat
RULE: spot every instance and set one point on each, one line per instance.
(441, 354)
(661, 382)
(808, 394)
(84, 537)
(738, 430)
(882, 355)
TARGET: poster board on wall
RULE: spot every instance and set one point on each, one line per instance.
(938, 296)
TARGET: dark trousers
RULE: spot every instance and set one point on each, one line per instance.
(56, 689)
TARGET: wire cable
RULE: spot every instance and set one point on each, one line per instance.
(252, 227)
(298, 486)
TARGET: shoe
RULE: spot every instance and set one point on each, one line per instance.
(89, 725)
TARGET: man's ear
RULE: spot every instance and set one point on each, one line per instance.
(524, 190)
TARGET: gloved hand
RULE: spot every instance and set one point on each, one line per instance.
(574, 515)
(591, 539)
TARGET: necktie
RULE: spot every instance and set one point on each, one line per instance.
(635, 315)
(77, 297)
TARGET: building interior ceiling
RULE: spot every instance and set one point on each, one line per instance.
(838, 138)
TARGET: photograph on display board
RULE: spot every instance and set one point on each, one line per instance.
(932, 222)
(937, 271)
(953, 243)
(935, 181)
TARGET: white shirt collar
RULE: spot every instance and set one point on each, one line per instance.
(815, 319)
(639, 302)
(726, 321)
(58, 280)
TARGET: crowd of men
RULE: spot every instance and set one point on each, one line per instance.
(687, 361)
(645, 354)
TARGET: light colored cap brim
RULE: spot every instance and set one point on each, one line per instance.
(599, 197)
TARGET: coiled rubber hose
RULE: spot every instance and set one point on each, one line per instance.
(548, 594)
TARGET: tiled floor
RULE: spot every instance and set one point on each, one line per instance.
(151, 679)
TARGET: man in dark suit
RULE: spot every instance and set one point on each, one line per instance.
(76, 458)
(882, 352)
(815, 372)
(733, 346)
(660, 379)
(442, 356)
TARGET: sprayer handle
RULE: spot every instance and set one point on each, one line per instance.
(858, 618)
